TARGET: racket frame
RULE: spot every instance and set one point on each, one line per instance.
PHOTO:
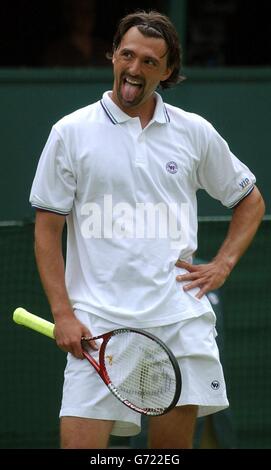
(101, 369)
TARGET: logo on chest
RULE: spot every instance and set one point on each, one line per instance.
(172, 167)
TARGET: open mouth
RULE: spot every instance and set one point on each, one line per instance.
(131, 88)
(132, 82)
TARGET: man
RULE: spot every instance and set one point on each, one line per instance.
(108, 170)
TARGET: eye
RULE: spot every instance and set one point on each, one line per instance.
(126, 54)
(150, 62)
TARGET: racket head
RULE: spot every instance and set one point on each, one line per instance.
(140, 370)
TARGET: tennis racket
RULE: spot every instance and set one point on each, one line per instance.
(137, 367)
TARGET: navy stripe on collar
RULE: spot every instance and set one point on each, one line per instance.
(166, 114)
(113, 119)
(109, 114)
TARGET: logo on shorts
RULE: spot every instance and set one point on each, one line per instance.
(215, 385)
(172, 167)
(110, 359)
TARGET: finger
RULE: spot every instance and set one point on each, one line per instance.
(76, 349)
(78, 353)
(92, 344)
(186, 277)
(183, 264)
(178, 263)
(202, 292)
(193, 285)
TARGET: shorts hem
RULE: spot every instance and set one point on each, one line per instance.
(121, 428)
(206, 408)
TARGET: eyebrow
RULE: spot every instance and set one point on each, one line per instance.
(147, 57)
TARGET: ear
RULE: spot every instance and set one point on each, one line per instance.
(166, 74)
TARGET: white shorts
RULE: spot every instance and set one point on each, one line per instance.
(193, 343)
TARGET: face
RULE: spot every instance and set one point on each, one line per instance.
(140, 64)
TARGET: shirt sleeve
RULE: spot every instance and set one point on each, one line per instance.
(54, 185)
(221, 173)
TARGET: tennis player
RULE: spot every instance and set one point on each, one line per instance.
(123, 174)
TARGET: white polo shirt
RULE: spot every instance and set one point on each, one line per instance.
(130, 200)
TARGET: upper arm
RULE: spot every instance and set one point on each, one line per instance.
(48, 223)
(253, 199)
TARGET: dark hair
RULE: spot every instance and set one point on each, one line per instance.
(155, 25)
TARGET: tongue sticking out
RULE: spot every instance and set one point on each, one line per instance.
(130, 92)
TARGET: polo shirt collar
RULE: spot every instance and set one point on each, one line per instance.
(117, 116)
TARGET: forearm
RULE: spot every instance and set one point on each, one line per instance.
(50, 262)
(244, 224)
(51, 268)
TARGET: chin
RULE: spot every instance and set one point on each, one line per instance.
(128, 104)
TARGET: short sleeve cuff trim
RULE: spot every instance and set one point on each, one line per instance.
(50, 209)
(241, 198)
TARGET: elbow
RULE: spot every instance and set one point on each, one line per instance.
(262, 208)
(260, 204)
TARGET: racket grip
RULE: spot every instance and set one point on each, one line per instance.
(25, 318)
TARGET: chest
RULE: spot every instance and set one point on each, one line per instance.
(135, 164)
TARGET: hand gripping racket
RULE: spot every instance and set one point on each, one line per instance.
(137, 367)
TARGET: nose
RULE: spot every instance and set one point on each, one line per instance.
(134, 68)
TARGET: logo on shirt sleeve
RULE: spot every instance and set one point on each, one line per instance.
(244, 183)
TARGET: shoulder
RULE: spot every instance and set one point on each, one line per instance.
(187, 116)
(78, 119)
(189, 119)
(196, 128)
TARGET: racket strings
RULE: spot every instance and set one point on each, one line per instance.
(141, 371)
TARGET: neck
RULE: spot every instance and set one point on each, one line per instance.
(143, 111)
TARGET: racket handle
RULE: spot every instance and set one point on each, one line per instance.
(25, 318)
